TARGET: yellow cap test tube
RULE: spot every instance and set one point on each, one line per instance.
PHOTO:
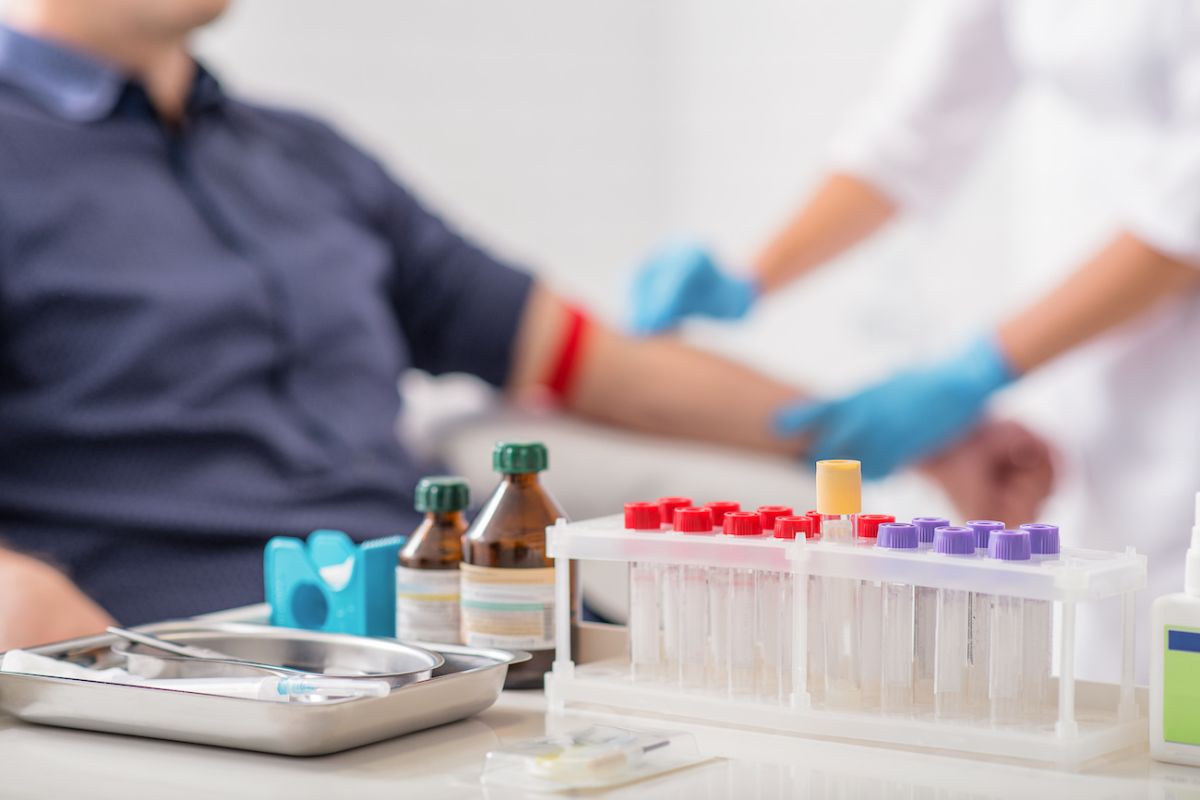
(839, 487)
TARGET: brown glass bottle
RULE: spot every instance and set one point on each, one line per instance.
(427, 582)
(507, 580)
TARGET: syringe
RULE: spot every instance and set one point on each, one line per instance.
(277, 688)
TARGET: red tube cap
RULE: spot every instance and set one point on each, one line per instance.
(742, 523)
(722, 507)
(791, 527)
(768, 515)
(815, 516)
(693, 520)
(643, 517)
(667, 506)
(868, 524)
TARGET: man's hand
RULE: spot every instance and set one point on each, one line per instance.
(38, 604)
(1001, 471)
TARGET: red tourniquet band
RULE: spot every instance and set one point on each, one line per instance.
(562, 374)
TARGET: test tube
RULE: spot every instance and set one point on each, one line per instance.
(790, 528)
(694, 602)
(896, 642)
(772, 607)
(1007, 660)
(839, 499)
(1038, 630)
(670, 588)
(787, 527)
(950, 692)
(720, 615)
(925, 616)
(871, 599)
(744, 629)
(979, 624)
(645, 645)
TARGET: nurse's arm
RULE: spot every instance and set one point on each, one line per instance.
(1125, 279)
(844, 211)
(39, 604)
(941, 94)
(658, 385)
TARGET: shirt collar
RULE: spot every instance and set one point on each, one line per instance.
(74, 86)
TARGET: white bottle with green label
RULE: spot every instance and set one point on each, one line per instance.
(1175, 665)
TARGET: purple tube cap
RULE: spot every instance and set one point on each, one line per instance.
(983, 529)
(952, 540)
(927, 525)
(897, 536)
(1043, 538)
(1009, 545)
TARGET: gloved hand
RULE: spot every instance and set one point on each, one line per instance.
(682, 280)
(911, 415)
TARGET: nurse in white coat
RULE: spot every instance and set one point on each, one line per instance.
(1114, 341)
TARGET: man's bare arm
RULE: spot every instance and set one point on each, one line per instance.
(658, 385)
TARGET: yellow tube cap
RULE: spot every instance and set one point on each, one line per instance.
(839, 486)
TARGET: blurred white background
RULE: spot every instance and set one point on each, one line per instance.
(572, 137)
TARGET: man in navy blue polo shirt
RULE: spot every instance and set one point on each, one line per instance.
(204, 308)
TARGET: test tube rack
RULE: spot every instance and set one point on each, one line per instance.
(1092, 719)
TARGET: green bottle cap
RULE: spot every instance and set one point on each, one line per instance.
(442, 493)
(518, 457)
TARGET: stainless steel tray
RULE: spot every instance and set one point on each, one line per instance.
(468, 682)
(330, 653)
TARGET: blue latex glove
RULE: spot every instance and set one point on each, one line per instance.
(683, 280)
(912, 414)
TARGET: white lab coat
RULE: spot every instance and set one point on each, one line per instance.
(1121, 79)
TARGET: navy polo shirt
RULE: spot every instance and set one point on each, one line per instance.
(201, 331)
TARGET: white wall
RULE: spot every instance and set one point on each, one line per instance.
(538, 126)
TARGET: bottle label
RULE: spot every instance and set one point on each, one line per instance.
(427, 604)
(1180, 699)
(508, 608)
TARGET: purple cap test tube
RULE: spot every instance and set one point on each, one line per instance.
(951, 620)
(1043, 540)
(952, 540)
(897, 536)
(1006, 662)
(925, 528)
(1009, 546)
(983, 529)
